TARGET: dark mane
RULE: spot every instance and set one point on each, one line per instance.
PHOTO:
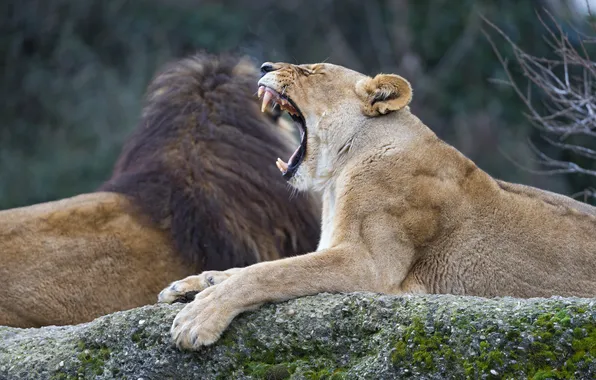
(201, 165)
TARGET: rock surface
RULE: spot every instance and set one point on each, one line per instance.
(353, 336)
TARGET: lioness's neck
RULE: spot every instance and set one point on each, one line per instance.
(329, 200)
(376, 137)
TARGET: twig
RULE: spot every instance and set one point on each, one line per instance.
(568, 101)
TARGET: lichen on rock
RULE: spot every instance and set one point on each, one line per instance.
(351, 336)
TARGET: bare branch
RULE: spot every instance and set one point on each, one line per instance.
(577, 149)
(568, 102)
(587, 193)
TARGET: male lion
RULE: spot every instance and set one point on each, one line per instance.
(403, 212)
(191, 191)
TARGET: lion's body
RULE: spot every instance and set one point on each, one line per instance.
(403, 212)
(75, 259)
(194, 189)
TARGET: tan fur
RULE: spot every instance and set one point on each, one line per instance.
(72, 260)
(190, 192)
(403, 213)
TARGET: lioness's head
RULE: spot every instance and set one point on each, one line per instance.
(329, 104)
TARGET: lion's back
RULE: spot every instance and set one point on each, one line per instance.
(75, 259)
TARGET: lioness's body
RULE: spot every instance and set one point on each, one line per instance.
(433, 222)
(191, 191)
(403, 212)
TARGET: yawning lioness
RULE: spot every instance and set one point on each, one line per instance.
(403, 211)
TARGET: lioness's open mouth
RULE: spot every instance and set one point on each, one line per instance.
(270, 96)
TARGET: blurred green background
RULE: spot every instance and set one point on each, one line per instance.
(74, 73)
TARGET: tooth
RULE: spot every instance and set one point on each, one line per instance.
(266, 100)
(261, 90)
(282, 166)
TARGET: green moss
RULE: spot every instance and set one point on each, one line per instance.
(542, 362)
(228, 339)
(584, 345)
(325, 374)
(439, 350)
(421, 348)
(545, 375)
(61, 376)
(399, 353)
(277, 372)
(139, 338)
(585, 341)
(580, 309)
(92, 361)
(313, 369)
(260, 370)
(144, 340)
(260, 362)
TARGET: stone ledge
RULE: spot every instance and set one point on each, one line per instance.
(358, 335)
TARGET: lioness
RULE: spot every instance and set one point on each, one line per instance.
(403, 212)
(190, 192)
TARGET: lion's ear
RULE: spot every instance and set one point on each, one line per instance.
(383, 94)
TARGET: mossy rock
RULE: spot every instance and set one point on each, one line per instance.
(344, 336)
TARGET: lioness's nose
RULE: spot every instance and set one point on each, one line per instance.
(267, 67)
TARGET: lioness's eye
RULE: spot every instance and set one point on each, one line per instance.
(305, 71)
(317, 69)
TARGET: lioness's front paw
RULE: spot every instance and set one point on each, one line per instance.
(182, 290)
(186, 289)
(202, 321)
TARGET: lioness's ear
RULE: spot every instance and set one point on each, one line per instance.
(383, 94)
